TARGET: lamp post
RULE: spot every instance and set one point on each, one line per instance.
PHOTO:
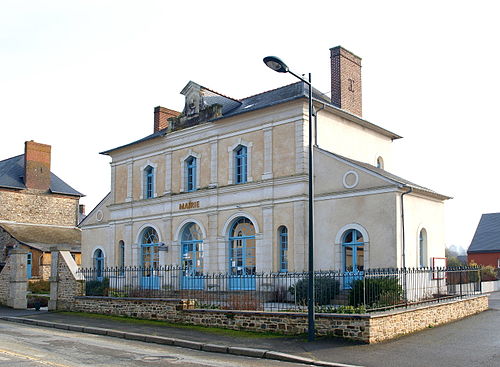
(279, 66)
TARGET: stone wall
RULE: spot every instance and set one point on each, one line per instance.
(67, 293)
(4, 283)
(384, 327)
(65, 282)
(38, 207)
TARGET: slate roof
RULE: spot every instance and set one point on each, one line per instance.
(386, 174)
(12, 176)
(487, 236)
(45, 237)
(233, 107)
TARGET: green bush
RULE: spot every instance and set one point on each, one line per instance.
(39, 287)
(97, 287)
(379, 292)
(325, 289)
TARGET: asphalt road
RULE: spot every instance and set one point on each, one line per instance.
(26, 346)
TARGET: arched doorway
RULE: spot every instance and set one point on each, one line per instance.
(150, 259)
(192, 257)
(242, 254)
(353, 256)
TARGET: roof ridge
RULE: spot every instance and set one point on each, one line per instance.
(16, 156)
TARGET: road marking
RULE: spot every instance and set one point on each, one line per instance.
(9, 353)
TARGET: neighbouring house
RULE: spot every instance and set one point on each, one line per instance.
(223, 187)
(485, 246)
(38, 210)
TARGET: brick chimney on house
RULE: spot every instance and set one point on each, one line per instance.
(36, 165)
(346, 80)
(162, 115)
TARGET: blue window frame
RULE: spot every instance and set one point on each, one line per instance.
(191, 173)
(121, 258)
(353, 256)
(99, 264)
(422, 243)
(283, 245)
(29, 267)
(240, 164)
(150, 258)
(148, 182)
(192, 257)
(242, 255)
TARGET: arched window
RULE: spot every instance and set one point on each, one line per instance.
(353, 251)
(150, 258)
(148, 182)
(192, 256)
(240, 164)
(422, 248)
(242, 254)
(98, 261)
(190, 173)
(283, 248)
(121, 256)
(380, 163)
(149, 246)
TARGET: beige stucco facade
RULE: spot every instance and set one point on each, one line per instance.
(350, 194)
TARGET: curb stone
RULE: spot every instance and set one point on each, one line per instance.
(213, 348)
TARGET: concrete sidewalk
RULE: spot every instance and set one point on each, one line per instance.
(286, 348)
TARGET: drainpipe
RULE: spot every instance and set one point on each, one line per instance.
(403, 225)
(315, 112)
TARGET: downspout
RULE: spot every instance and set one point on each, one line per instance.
(403, 224)
(316, 124)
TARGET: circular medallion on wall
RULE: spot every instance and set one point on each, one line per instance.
(99, 215)
(350, 179)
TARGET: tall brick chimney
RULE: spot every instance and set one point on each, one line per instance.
(36, 165)
(161, 117)
(346, 80)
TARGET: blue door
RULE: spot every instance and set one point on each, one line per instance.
(192, 257)
(242, 255)
(29, 264)
(353, 256)
(150, 256)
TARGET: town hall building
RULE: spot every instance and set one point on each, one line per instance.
(223, 187)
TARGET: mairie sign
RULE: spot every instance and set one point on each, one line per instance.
(189, 205)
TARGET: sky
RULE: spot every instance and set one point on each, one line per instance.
(85, 76)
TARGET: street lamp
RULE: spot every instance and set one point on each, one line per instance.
(279, 66)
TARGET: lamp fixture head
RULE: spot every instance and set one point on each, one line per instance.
(276, 64)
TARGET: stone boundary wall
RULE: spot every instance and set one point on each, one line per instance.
(366, 328)
(65, 282)
(389, 326)
(5, 282)
(67, 293)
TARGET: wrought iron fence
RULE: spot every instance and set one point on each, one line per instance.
(335, 291)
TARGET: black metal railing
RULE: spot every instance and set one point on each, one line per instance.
(335, 291)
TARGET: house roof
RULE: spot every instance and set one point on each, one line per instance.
(387, 175)
(12, 176)
(487, 236)
(45, 237)
(233, 107)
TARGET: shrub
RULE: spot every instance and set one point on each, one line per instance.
(325, 289)
(379, 292)
(39, 287)
(488, 273)
(97, 287)
(43, 301)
